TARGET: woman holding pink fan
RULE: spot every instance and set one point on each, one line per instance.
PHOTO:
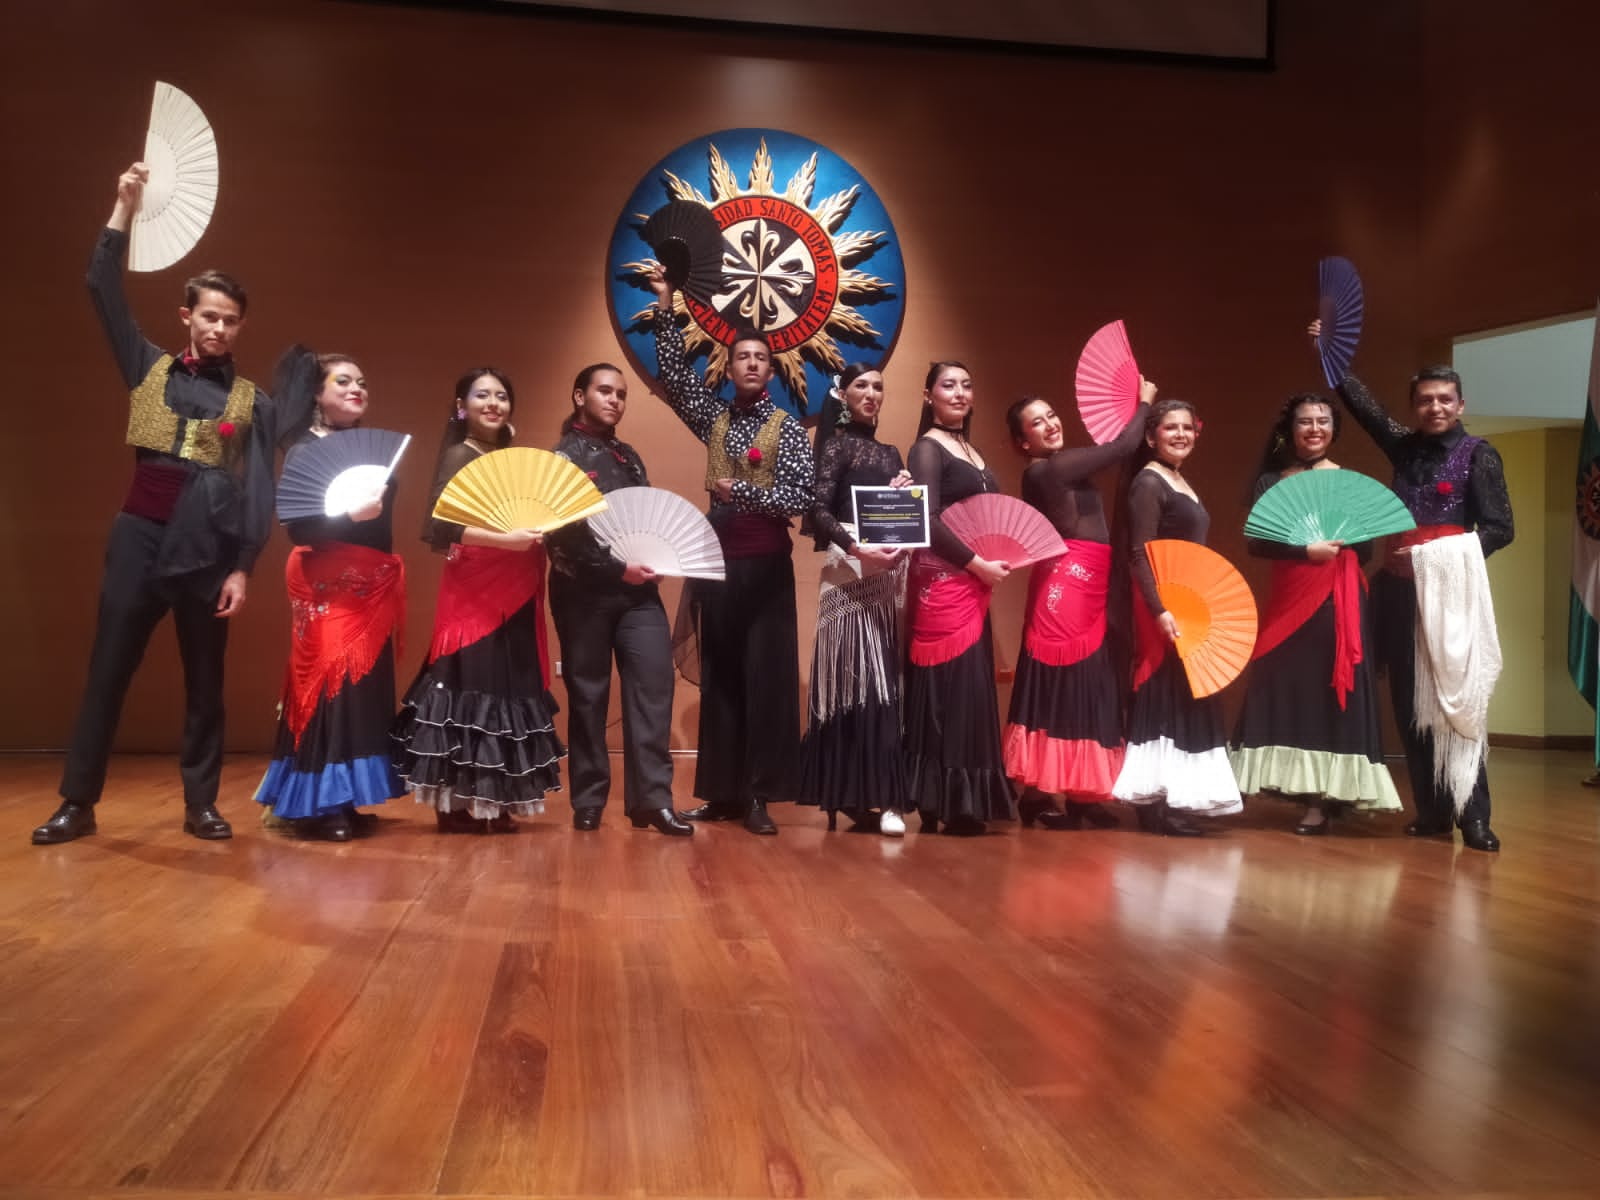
(1064, 733)
(955, 769)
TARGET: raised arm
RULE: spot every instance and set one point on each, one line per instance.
(687, 393)
(1069, 466)
(1361, 404)
(134, 354)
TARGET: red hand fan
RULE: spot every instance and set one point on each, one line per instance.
(1107, 383)
(1003, 529)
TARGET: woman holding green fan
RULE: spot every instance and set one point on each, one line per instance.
(1309, 727)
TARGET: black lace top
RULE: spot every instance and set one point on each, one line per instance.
(948, 479)
(852, 457)
(1062, 487)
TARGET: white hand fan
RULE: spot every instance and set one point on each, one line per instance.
(181, 193)
(337, 473)
(660, 530)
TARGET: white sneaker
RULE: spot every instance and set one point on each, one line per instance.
(892, 824)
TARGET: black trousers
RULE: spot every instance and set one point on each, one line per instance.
(749, 683)
(629, 623)
(1394, 610)
(132, 602)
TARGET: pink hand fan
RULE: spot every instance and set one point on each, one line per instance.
(1107, 383)
(1003, 529)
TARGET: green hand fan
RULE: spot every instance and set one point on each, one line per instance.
(1327, 506)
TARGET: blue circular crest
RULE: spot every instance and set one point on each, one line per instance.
(810, 258)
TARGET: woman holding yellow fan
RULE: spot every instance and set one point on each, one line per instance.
(475, 739)
(1176, 760)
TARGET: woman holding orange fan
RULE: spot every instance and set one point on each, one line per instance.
(1309, 728)
(1176, 761)
(475, 739)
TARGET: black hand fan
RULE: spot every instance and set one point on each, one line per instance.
(1340, 307)
(337, 473)
(688, 243)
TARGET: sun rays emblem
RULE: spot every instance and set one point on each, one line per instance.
(813, 264)
(1589, 498)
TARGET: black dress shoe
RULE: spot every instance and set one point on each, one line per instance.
(337, 827)
(663, 819)
(1313, 828)
(1096, 816)
(1422, 828)
(68, 823)
(756, 819)
(1478, 836)
(586, 819)
(965, 826)
(207, 824)
(713, 810)
(1157, 818)
(1060, 820)
(1037, 806)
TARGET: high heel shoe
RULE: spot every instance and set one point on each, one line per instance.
(663, 820)
(1035, 806)
(1157, 818)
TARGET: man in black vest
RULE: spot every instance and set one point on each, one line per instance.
(195, 518)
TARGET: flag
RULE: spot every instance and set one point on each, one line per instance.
(1583, 629)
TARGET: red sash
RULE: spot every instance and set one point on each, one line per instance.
(480, 590)
(1299, 589)
(948, 605)
(1067, 604)
(1421, 535)
(1150, 645)
(347, 601)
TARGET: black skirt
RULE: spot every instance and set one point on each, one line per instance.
(954, 766)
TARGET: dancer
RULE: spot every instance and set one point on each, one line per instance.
(956, 771)
(603, 608)
(1064, 732)
(1309, 727)
(196, 516)
(759, 473)
(1176, 760)
(1451, 483)
(347, 595)
(850, 757)
(475, 739)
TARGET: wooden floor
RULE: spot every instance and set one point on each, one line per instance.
(621, 1014)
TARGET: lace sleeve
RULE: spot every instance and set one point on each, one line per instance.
(1147, 499)
(1370, 415)
(1488, 503)
(832, 463)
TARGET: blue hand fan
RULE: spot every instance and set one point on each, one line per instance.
(337, 473)
(1340, 307)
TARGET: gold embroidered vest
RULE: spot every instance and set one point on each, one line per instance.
(154, 426)
(721, 465)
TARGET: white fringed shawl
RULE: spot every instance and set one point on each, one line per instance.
(1457, 658)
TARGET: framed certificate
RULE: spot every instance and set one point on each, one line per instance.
(887, 516)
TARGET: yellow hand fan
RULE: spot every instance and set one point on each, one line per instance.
(518, 488)
(1215, 612)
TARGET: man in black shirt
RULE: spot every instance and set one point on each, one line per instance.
(1451, 483)
(195, 518)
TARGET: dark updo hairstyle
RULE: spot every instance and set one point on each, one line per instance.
(1014, 424)
(580, 384)
(1152, 422)
(925, 422)
(835, 412)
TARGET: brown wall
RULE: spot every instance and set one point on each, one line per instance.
(428, 189)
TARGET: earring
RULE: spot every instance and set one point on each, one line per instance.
(461, 413)
(318, 421)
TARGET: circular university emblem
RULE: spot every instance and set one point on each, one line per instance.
(1589, 499)
(812, 263)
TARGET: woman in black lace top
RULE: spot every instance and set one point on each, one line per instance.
(1176, 759)
(850, 758)
(1063, 735)
(952, 724)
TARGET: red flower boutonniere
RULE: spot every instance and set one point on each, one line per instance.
(225, 429)
(1444, 487)
(754, 456)
(593, 474)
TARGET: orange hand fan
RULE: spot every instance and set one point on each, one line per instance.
(518, 488)
(1215, 612)
(1107, 383)
(1003, 528)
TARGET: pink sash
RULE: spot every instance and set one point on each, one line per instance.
(1067, 604)
(948, 605)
